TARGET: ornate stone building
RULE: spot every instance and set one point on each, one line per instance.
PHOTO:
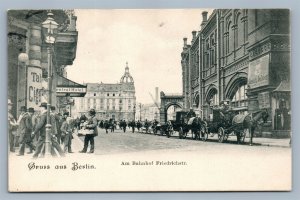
(110, 100)
(242, 57)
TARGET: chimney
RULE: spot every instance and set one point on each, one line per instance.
(156, 95)
(204, 19)
(184, 42)
(194, 35)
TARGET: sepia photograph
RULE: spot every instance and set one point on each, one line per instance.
(149, 100)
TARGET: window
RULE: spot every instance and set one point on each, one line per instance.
(94, 94)
(108, 94)
(120, 101)
(214, 100)
(239, 99)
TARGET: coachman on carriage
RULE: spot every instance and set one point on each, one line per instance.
(225, 122)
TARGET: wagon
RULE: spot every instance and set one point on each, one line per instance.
(183, 124)
(224, 126)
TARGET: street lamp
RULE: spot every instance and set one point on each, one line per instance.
(140, 112)
(134, 112)
(50, 26)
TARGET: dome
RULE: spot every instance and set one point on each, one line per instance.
(126, 78)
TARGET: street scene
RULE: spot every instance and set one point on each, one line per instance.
(214, 83)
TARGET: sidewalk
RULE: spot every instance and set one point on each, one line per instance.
(257, 141)
(260, 141)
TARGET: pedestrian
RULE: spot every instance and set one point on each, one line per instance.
(138, 125)
(106, 126)
(58, 123)
(66, 130)
(12, 127)
(92, 126)
(20, 129)
(41, 128)
(25, 127)
(146, 125)
(124, 126)
(133, 125)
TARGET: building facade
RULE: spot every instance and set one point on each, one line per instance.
(241, 56)
(116, 101)
(28, 58)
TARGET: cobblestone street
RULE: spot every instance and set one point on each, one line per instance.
(120, 142)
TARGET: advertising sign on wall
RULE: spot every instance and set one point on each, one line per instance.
(258, 74)
(34, 87)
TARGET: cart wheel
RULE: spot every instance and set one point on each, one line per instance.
(221, 134)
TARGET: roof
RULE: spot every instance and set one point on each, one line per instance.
(109, 87)
(66, 87)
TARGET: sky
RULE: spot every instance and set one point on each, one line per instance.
(151, 41)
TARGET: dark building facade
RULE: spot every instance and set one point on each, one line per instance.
(241, 56)
(28, 58)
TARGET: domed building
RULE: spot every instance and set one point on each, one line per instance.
(116, 101)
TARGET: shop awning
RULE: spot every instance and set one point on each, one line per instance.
(66, 87)
(283, 90)
(284, 86)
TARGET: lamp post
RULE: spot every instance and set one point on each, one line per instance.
(50, 26)
(134, 112)
(140, 112)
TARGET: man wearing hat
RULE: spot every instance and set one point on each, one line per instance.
(12, 126)
(25, 127)
(41, 127)
(66, 131)
(21, 127)
(92, 125)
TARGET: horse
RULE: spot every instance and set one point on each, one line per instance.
(241, 122)
(197, 126)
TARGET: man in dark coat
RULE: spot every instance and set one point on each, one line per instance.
(133, 125)
(138, 125)
(66, 129)
(25, 127)
(41, 127)
(58, 123)
(12, 127)
(92, 125)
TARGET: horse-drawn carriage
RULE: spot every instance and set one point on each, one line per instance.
(226, 123)
(185, 123)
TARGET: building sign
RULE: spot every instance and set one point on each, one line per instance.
(70, 90)
(34, 87)
(258, 74)
(264, 100)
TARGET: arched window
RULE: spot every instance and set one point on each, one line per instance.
(230, 37)
(212, 98)
(240, 31)
(239, 99)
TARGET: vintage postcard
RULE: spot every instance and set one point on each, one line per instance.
(149, 100)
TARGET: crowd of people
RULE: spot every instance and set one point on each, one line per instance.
(111, 124)
(28, 130)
